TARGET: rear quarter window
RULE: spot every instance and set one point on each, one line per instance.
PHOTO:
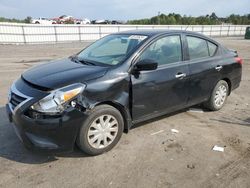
(212, 48)
(197, 47)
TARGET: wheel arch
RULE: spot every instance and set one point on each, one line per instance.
(229, 84)
(124, 112)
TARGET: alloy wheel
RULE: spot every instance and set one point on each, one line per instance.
(220, 95)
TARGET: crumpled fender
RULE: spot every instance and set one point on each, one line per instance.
(114, 90)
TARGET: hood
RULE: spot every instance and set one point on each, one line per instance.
(61, 73)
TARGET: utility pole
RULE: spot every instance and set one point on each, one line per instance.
(159, 13)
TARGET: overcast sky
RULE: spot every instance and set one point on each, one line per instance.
(119, 9)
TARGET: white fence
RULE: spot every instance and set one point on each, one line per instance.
(35, 33)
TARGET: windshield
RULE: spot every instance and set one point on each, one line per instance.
(111, 50)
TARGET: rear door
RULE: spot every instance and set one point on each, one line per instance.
(204, 66)
(164, 89)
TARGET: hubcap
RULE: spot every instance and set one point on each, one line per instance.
(220, 96)
(102, 132)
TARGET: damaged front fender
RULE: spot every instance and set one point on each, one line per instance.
(113, 90)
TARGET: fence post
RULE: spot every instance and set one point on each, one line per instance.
(228, 30)
(55, 34)
(241, 28)
(79, 32)
(24, 38)
(211, 28)
(100, 34)
(220, 29)
(202, 29)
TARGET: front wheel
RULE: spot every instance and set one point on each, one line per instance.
(101, 131)
(218, 97)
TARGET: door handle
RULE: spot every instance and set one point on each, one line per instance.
(180, 75)
(218, 67)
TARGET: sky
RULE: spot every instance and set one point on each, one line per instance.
(120, 9)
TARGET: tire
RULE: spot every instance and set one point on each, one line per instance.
(218, 97)
(37, 22)
(101, 131)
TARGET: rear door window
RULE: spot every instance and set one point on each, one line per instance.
(197, 48)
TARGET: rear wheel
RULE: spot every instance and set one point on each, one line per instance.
(218, 97)
(101, 131)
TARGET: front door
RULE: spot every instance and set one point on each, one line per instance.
(164, 89)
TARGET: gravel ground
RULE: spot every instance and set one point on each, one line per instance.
(150, 155)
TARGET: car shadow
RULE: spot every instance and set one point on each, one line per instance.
(12, 149)
(196, 107)
(137, 125)
(233, 121)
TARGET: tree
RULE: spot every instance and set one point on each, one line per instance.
(213, 16)
(212, 19)
(28, 19)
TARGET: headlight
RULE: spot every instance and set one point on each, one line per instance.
(56, 101)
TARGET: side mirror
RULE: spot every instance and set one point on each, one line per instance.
(145, 65)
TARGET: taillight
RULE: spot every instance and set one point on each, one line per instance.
(239, 60)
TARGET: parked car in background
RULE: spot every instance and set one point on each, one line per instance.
(117, 22)
(82, 21)
(63, 19)
(42, 20)
(100, 22)
(90, 98)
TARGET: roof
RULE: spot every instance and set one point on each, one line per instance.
(153, 32)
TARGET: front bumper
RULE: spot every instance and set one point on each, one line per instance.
(56, 134)
(50, 134)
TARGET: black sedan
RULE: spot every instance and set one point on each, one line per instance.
(91, 98)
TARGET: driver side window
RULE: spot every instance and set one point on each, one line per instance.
(164, 51)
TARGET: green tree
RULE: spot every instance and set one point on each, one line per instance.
(28, 19)
(213, 19)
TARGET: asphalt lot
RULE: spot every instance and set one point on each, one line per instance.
(150, 155)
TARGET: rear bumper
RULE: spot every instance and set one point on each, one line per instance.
(235, 82)
(52, 135)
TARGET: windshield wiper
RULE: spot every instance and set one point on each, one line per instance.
(77, 60)
(83, 61)
(74, 58)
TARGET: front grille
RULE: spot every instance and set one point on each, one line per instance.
(15, 100)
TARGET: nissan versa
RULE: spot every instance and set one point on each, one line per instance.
(91, 98)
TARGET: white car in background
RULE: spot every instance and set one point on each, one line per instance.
(100, 22)
(83, 21)
(65, 18)
(42, 21)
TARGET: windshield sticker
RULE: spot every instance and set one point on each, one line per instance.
(138, 37)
